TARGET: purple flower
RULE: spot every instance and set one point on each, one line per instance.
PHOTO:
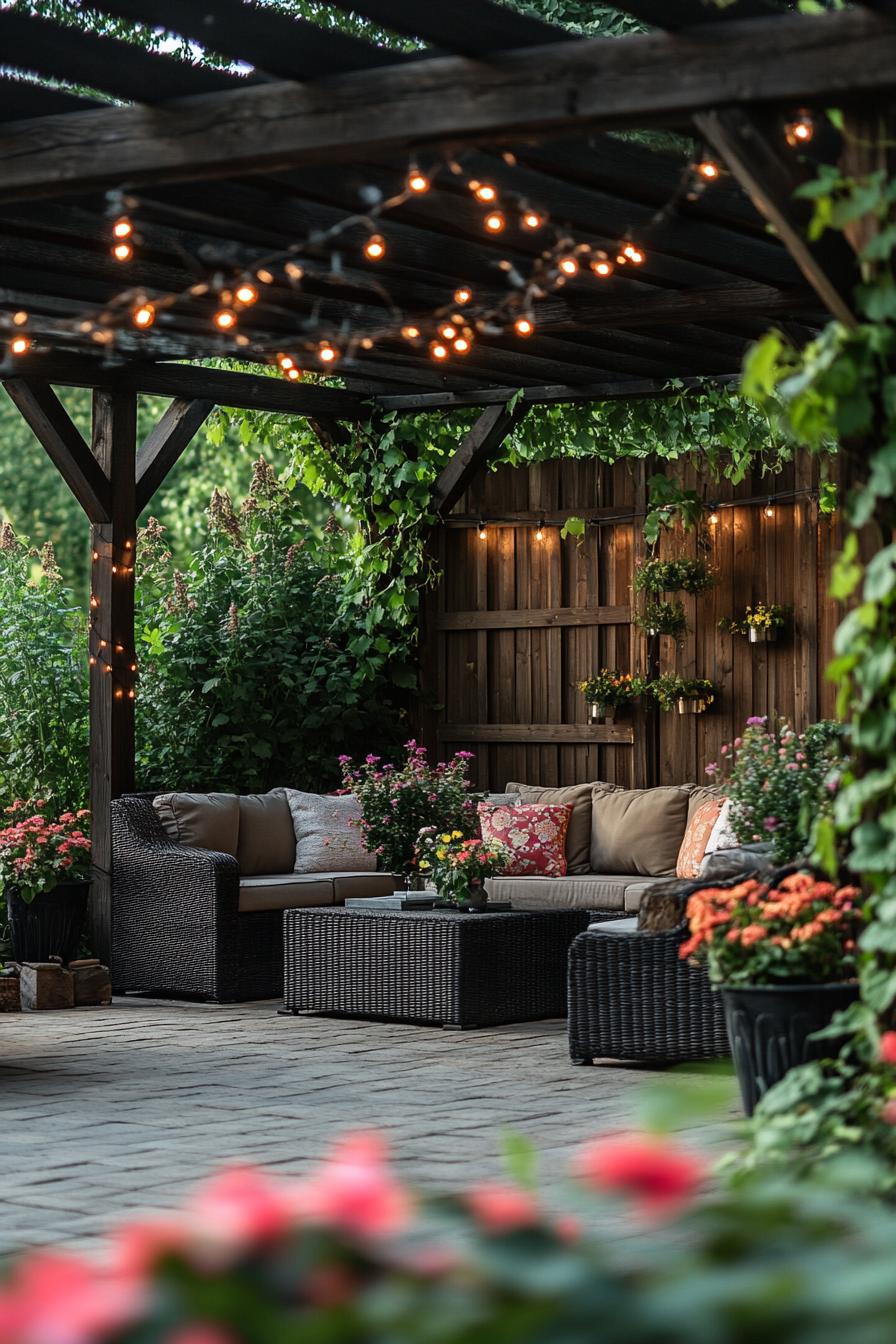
(711, 768)
(466, 755)
(372, 760)
(832, 785)
(344, 760)
(724, 749)
(756, 720)
(771, 823)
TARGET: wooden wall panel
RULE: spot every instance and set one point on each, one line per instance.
(556, 610)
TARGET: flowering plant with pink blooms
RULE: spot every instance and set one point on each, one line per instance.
(781, 783)
(38, 850)
(399, 801)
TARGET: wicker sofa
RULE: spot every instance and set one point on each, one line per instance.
(186, 921)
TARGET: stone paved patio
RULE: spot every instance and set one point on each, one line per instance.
(107, 1111)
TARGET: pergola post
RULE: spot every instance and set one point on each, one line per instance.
(112, 653)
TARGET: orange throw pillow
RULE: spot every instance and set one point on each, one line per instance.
(535, 834)
(696, 838)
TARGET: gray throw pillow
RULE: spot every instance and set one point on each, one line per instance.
(327, 841)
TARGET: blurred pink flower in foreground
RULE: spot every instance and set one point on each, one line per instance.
(59, 1299)
(658, 1177)
(502, 1208)
(355, 1190)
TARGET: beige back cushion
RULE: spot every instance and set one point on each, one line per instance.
(638, 830)
(326, 839)
(704, 793)
(578, 836)
(201, 820)
(267, 841)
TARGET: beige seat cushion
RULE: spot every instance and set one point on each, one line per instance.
(327, 840)
(578, 835)
(362, 884)
(638, 831)
(201, 820)
(634, 891)
(267, 841)
(283, 891)
(589, 892)
(614, 926)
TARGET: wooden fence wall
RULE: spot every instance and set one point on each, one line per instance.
(517, 623)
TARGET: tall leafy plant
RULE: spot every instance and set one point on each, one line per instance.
(43, 679)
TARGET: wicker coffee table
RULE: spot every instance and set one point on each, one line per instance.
(432, 966)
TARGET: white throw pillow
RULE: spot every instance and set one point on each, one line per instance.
(326, 840)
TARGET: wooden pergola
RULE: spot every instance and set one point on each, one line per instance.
(223, 168)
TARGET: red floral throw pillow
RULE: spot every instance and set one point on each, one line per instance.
(535, 834)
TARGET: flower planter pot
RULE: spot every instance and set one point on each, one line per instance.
(690, 706)
(769, 1028)
(762, 634)
(603, 713)
(51, 925)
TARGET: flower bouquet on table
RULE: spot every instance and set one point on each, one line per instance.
(45, 876)
(783, 954)
(609, 690)
(398, 801)
(459, 866)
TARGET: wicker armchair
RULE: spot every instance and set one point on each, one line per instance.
(631, 997)
(176, 925)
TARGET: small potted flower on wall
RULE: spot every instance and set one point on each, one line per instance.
(760, 622)
(45, 877)
(610, 690)
(689, 695)
(663, 618)
(673, 576)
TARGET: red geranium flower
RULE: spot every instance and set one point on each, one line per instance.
(657, 1176)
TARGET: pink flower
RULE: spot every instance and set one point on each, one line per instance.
(356, 1190)
(502, 1208)
(59, 1299)
(770, 823)
(240, 1207)
(888, 1114)
(888, 1047)
(657, 1176)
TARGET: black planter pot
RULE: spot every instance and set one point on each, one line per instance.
(769, 1026)
(51, 925)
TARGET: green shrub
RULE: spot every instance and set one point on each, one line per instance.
(43, 680)
(252, 674)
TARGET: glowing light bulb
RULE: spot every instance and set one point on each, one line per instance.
(462, 295)
(410, 333)
(122, 251)
(539, 531)
(462, 345)
(447, 332)
(769, 510)
(633, 254)
(483, 532)
(531, 219)
(286, 362)
(327, 353)
(144, 315)
(225, 319)
(568, 265)
(293, 374)
(375, 247)
(799, 131)
(438, 350)
(524, 326)
(708, 170)
(122, 228)
(602, 267)
(20, 345)
(495, 222)
(366, 343)
(484, 191)
(293, 270)
(266, 277)
(713, 518)
(20, 318)
(246, 294)
(417, 181)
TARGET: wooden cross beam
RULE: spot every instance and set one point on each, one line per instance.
(164, 445)
(479, 444)
(580, 84)
(51, 425)
(770, 177)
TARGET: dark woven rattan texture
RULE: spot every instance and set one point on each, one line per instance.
(430, 966)
(176, 926)
(631, 997)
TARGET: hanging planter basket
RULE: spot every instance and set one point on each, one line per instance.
(762, 634)
(688, 705)
(602, 713)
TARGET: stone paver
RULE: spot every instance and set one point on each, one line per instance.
(108, 1111)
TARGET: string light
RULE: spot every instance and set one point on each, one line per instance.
(531, 219)
(602, 267)
(484, 191)
(143, 315)
(633, 254)
(463, 295)
(416, 181)
(246, 294)
(122, 228)
(411, 333)
(122, 251)
(375, 247)
(447, 332)
(286, 362)
(539, 531)
(327, 353)
(799, 131)
(483, 532)
(20, 318)
(438, 350)
(266, 277)
(524, 326)
(713, 518)
(568, 265)
(20, 345)
(366, 343)
(769, 510)
(225, 319)
(293, 270)
(495, 221)
(462, 345)
(708, 170)
(293, 374)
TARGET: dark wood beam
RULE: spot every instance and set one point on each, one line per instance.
(112, 679)
(480, 443)
(770, 175)
(164, 444)
(582, 83)
(561, 392)
(246, 391)
(51, 425)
